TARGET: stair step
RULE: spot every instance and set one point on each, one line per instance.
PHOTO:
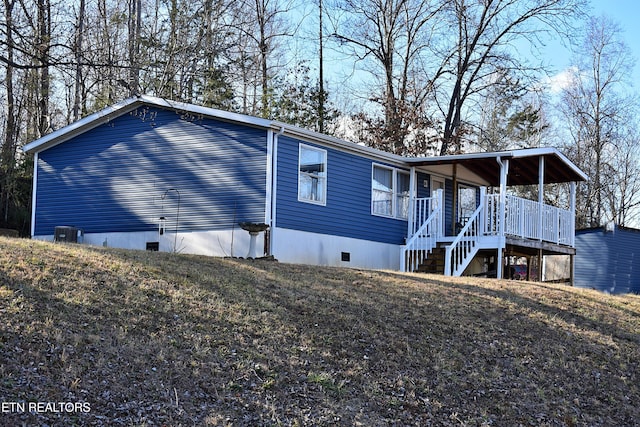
(434, 263)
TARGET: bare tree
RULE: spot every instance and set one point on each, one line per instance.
(623, 185)
(261, 27)
(510, 115)
(599, 116)
(135, 27)
(7, 154)
(389, 39)
(480, 38)
(106, 53)
(78, 55)
(322, 93)
(41, 57)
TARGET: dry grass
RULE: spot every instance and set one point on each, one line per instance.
(150, 339)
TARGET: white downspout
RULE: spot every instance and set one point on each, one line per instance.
(270, 173)
(272, 156)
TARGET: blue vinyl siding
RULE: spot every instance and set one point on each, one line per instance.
(448, 207)
(348, 209)
(608, 261)
(112, 178)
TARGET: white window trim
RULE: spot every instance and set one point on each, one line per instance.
(375, 166)
(437, 178)
(463, 186)
(322, 202)
(396, 195)
(394, 190)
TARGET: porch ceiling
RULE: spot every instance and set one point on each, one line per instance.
(523, 166)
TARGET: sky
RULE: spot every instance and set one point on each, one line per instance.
(625, 13)
(558, 57)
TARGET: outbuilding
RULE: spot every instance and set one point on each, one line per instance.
(608, 259)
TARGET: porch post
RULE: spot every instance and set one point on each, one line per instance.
(454, 204)
(504, 170)
(412, 202)
(572, 208)
(540, 266)
(540, 195)
(572, 270)
(483, 212)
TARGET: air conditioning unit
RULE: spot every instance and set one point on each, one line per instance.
(68, 234)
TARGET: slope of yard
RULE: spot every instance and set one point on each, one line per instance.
(93, 336)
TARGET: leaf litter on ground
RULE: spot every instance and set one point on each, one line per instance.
(147, 338)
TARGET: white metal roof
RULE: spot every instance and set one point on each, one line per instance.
(109, 113)
(481, 164)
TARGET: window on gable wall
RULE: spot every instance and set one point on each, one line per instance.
(390, 192)
(312, 176)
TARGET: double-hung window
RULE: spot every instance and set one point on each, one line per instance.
(390, 192)
(312, 175)
(402, 194)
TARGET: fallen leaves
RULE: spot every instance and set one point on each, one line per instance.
(165, 339)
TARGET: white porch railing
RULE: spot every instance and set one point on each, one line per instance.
(459, 253)
(485, 229)
(425, 228)
(522, 218)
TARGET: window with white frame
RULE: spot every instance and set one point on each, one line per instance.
(390, 192)
(312, 175)
(466, 202)
(402, 194)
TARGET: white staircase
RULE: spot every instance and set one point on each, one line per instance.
(461, 251)
(425, 229)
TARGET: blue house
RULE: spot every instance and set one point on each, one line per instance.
(148, 173)
(608, 259)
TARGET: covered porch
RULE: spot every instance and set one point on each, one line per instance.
(437, 227)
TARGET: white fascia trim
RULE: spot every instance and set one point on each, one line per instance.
(454, 157)
(206, 111)
(129, 104)
(319, 138)
(81, 126)
(564, 159)
(525, 152)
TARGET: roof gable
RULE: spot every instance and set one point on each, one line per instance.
(107, 114)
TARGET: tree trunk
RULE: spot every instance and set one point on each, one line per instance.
(7, 159)
(77, 98)
(135, 18)
(43, 47)
(321, 74)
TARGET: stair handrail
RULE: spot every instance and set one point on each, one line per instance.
(428, 233)
(434, 215)
(463, 242)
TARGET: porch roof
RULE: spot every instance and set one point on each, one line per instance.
(523, 166)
